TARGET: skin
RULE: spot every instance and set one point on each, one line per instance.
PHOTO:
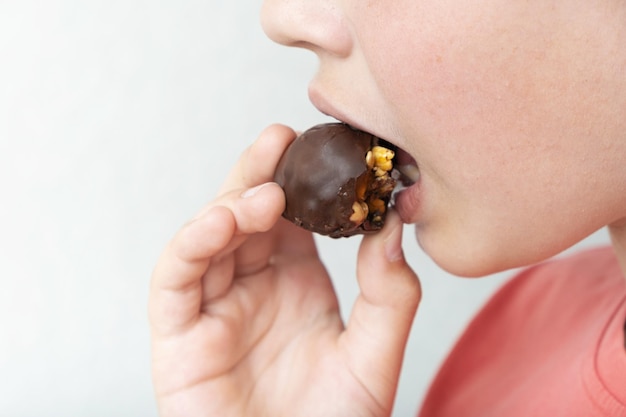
(514, 112)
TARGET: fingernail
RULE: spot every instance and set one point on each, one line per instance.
(393, 245)
(251, 192)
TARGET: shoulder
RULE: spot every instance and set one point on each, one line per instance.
(586, 274)
(562, 286)
(595, 261)
(530, 345)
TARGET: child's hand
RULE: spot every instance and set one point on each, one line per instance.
(245, 321)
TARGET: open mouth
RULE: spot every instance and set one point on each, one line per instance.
(405, 171)
(406, 168)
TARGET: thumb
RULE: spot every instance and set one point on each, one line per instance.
(379, 326)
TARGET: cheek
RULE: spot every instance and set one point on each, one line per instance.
(458, 100)
(489, 106)
(466, 80)
(437, 84)
(453, 75)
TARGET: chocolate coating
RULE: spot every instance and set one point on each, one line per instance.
(320, 173)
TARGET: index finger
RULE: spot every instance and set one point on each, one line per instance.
(176, 285)
(258, 162)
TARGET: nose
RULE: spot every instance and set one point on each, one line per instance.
(318, 25)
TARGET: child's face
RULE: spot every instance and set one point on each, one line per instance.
(513, 110)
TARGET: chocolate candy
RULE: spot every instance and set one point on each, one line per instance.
(337, 180)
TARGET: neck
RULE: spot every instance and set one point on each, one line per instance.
(618, 237)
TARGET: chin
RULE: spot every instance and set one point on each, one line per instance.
(466, 268)
(468, 260)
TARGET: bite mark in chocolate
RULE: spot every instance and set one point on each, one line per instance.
(337, 180)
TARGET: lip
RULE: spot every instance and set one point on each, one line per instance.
(322, 104)
(406, 202)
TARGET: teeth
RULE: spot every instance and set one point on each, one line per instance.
(411, 172)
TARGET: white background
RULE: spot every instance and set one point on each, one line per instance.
(118, 120)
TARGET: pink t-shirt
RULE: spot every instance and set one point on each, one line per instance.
(549, 343)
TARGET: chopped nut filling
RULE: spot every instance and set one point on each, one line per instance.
(370, 187)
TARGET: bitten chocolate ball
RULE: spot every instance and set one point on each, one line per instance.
(337, 180)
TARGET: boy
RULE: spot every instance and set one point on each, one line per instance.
(514, 113)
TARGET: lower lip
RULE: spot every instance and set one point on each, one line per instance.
(408, 203)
